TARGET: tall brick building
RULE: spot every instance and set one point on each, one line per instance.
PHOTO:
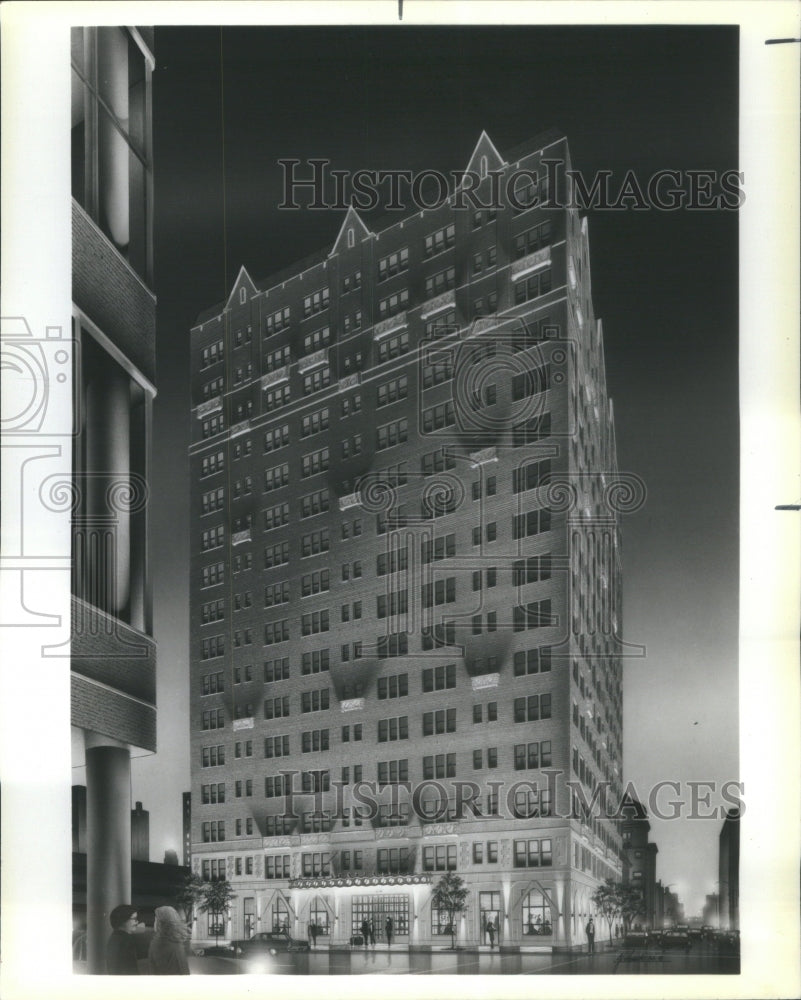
(113, 659)
(405, 575)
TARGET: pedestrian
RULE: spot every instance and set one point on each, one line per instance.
(590, 929)
(313, 933)
(121, 946)
(372, 933)
(167, 952)
(366, 932)
(483, 928)
(491, 932)
(388, 929)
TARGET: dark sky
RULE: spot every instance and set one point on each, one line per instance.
(228, 105)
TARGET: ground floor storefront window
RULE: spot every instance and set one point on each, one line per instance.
(319, 917)
(536, 914)
(279, 917)
(375, 910)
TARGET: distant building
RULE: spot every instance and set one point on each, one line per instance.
(639, 857)
(729, 870)
(152, 885)
(170, 856)
(140, 834)
(79, 818)
(187, 827)
(711, 912)
(113, 655)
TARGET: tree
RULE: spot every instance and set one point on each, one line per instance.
(189, 895)
(216, 899)
(607, 901)
(450, 897)
(616, 901)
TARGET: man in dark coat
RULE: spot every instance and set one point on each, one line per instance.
(121, 946)
(366, 931)
(590, 928)
(388, 928)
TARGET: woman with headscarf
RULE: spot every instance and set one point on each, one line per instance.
(167, 952)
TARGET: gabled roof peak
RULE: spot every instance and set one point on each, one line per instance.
(485, 157)
(352, 231)
(243, 282)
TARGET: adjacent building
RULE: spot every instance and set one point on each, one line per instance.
(729, 871)
(113, 659)
(639, 859)
(405, 575)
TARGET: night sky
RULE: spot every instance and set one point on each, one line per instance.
(228, 105)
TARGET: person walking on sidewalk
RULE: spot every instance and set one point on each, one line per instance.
(590, 929)
(388, 929)
(491, 932)
(366, 932)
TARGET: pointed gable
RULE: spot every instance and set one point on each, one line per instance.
(244, 283)
(351, 232)
(485, 157)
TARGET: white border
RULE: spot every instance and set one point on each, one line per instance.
(35, 283)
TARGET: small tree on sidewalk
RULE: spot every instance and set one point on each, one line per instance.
(608, 902)
(189, 895)
(217, 896)
(450, 897)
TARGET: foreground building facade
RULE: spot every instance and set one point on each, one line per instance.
(405, 578)
(113, 657)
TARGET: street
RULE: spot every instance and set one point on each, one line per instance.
(703, 959)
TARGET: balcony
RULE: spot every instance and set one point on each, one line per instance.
(241, 428)
(447, 300)
(313, 360)
(532, 262)
(247, 723)
(349, 382)
(351, 500)
(387, 326)
(484, 456)
(352, 705)
(208, 407)
(238, 537)
(484, 681)
(275, 377)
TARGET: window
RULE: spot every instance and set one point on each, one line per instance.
(314, 503)
(315, 583)
(214, 611)
(315, 622)
(439, 416)
(393, 686)
(315, 462)
(439, 592)
(276, 708)
(315, 422)
(212, 683)
(352, 281)
(485, 305)
(212, 794)
(276, 517)
(213, 647)
(212, 354)
(439, 766)
(314, 741)
(393, 347)
(276, 670)
(440, 282)
(441, 325)
(441, 721)
(532, 708)
(277, 321)
(391, 434)
(532, 522)
(393, 263)
(393, 861)
(352, 446)
(437, 372)
(442, 239)
(276, 746)
(393, 304)
(213, 500)
(437, 461)
(277, 397)
(276, 593)
(276, 477)
(392, 772)
(392, 390)
(484, 260)
(212, 575)
(276, 785)
(394, 603)
(532, 661)
(532, 569)
(436, 549)
(533, 286)
(532, 755)
(392, 562)
(278, 358)
(532, 854)
(535, 614)
(316, 380)
(212, 756)
(315, 661)
(316, 340)
(212, 463)
(390, 730)
(533, 239)
(314, 543)
(315, 302)
(315, 701)
(530, 476)
(396, 644)
(351, 404)
(439, 678)
(276, 555)
(439, 858)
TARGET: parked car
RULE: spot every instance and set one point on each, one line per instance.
(267, 942)
(636, 939)
(707, 932)
(695, 933)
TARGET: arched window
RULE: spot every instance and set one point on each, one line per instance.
(280, 916)
(243, 294)
(483, 167)
(536, 914)
(351, 239)
(318, 915)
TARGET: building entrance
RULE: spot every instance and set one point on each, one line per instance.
(376, 909)
(489, 906)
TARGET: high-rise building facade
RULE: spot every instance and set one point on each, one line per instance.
(113, 655)
(405, 575)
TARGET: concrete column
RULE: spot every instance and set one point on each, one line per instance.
(108, 844)
(108, 446)
(112, 74)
